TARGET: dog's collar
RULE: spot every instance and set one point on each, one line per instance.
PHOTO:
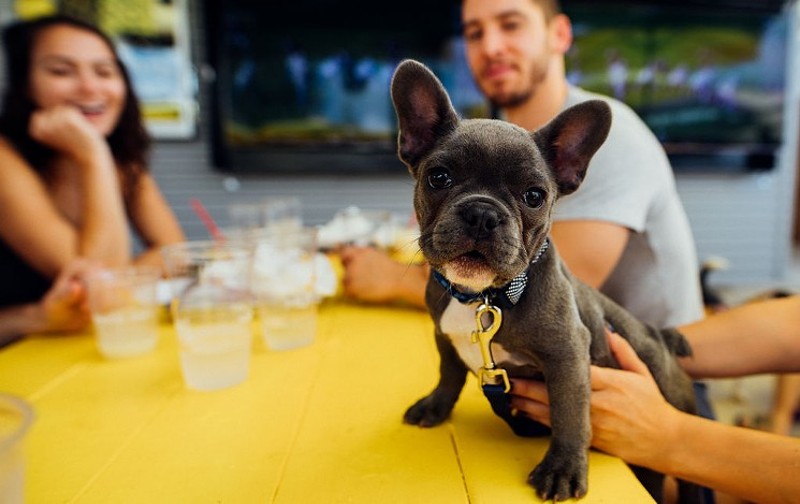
(505, 296)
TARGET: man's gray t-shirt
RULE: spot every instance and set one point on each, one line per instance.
(630, 183)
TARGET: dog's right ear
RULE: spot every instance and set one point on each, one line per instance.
(424, 111)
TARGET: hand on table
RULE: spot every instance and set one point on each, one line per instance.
(65, 307)
(370, 274)
(373, 276)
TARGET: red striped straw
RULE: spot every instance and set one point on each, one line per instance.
(207, 220)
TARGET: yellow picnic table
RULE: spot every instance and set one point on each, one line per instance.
(320, 424)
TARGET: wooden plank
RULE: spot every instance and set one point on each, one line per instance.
(353, 446)
(223, 446)
(496, 463)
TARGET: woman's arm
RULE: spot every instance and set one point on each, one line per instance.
(154, 221)
(77, 212)
(63, 308)
(632, 420)
(760, 337)
(102, 224)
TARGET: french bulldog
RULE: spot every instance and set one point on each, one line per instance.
(483, 196)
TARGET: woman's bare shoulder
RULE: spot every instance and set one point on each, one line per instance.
(17, 173)
(9, 155)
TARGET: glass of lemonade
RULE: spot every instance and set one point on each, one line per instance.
(212, 311)
(271, 212)
(124, 307)
(16, 417)
(284, 281)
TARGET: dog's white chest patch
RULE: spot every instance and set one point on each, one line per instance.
(458, 323)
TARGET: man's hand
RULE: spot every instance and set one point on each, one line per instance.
(630, 418)
(371, 275)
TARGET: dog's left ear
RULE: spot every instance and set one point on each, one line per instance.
(569, 141)
(424, 111)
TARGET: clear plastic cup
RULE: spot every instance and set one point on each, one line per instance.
(212, 311)
(125, 310)
(285, 287)
(16, 417)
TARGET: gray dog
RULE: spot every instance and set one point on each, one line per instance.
(503, 303)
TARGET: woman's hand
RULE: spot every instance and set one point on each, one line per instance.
(65, 129)
(65, 307)
(630, 418)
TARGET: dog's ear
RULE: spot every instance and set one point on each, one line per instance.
(570, 140)
(424, 111)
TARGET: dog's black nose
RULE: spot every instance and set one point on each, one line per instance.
(481, 219)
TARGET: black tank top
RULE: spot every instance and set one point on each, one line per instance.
(19, 282)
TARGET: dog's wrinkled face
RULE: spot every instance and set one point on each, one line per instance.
(485, 189)
(479, 233)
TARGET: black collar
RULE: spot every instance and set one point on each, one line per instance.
(505, 297)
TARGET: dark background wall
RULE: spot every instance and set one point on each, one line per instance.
(745, 217)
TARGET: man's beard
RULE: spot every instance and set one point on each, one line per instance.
(511, 100)
(517, 98)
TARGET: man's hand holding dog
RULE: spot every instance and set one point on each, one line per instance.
(630, 418)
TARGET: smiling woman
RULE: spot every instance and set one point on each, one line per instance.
(71, 66)
(73, 152)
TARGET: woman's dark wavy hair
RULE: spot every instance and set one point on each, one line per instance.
(129, 141)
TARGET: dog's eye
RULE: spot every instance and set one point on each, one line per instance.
(534, 198)
(439, 178)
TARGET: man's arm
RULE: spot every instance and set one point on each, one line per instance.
(761, 337)
(590, 249)
(632, 420)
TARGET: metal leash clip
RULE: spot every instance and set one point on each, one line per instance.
(489, 373)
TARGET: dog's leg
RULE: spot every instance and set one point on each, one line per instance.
(562, 474)
(434, 408)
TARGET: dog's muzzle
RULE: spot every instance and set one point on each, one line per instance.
(480, 217)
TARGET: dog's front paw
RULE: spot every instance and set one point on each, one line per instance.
(560, 476)
(428, 412)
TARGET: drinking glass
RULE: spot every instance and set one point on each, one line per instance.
(282, 213)
(272, 212)
(16, 417)
(284, 285)
(212, 311)
(125, 309)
